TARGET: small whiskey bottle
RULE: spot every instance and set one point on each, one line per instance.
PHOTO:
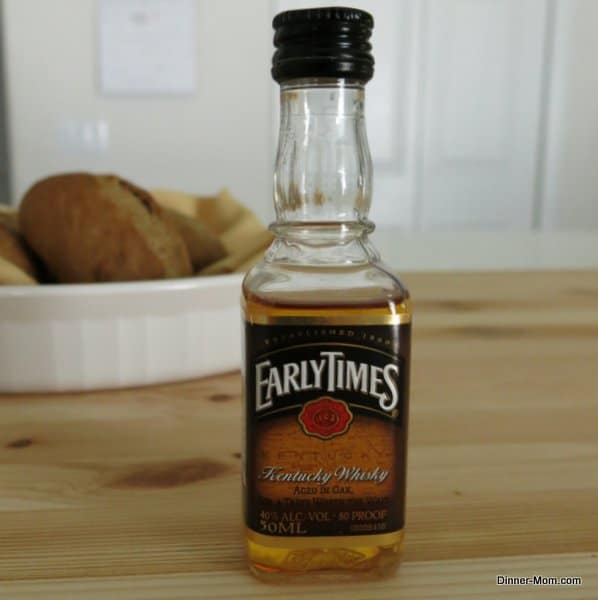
(327, 328)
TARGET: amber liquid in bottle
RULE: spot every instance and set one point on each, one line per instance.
(347, 557)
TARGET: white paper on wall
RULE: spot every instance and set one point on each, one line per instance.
(147, 46)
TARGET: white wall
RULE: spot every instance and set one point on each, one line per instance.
(219, 136)
(571, 173)
(545, 173)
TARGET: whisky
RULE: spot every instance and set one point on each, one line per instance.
(327, 329)
(327, 312)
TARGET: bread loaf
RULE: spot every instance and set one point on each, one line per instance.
(14, 251)
(89, 228)
(204, 247)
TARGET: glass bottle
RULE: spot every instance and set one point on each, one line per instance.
(327, 329)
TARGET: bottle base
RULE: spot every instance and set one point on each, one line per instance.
(353, 561)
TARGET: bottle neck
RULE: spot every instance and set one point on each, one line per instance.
(323, 175)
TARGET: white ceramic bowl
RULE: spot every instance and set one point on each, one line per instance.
(93, 336)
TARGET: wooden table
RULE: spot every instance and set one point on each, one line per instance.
(136, 494)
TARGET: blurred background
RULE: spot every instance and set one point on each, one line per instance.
(482, 116)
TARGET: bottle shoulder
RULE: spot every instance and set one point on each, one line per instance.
(370, 286)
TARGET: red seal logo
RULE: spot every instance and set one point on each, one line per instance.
(325, 417)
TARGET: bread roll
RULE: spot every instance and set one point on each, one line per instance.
(13, 250)
(9, 217)
(88, 228)
(241, 234)
(204, 247)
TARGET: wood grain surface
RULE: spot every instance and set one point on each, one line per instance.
(136, 493)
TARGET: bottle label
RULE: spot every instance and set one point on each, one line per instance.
(326, 428)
